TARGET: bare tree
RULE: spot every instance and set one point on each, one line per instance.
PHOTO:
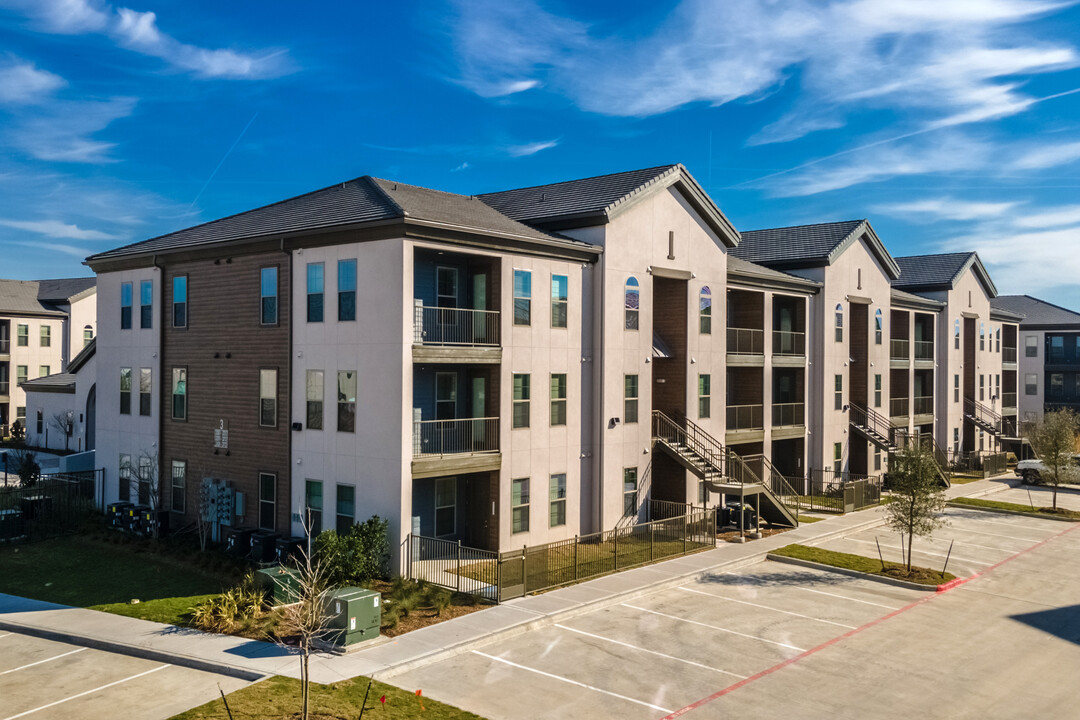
(144, 470)
(1054, 439)
(918, 498)
(64, 422)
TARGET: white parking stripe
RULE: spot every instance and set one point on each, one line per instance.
(713, 627)
(565, 680)
(4, 635)
(647, 650)
(766, 607)
(928, 552)
(1011, 537)
(845, 597)
(89, 692)
(54, 657)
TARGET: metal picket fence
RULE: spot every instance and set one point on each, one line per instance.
(55, 505)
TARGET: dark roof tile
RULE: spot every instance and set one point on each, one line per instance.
(922, 271)
(1037, 312)
(795, 244)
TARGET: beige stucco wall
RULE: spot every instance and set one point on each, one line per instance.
(33, 356)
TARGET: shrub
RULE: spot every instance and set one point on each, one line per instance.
(358, 557)
(236, 606)
(439, 599)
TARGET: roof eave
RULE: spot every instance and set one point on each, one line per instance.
(876, 247)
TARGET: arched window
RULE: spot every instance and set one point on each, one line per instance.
(878, 326)
(956, 335)
(839, 323)
(632, 303)
(706, 311)
(87, 335)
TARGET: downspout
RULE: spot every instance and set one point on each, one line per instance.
(599, 324)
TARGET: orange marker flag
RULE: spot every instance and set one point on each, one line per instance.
(421, 701)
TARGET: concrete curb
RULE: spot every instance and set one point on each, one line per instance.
(853, 573)
(139, 651)
(1003, 511)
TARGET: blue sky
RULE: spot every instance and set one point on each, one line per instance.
(951, 124)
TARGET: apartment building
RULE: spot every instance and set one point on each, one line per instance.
(43, 325)
(61, 408)
(1048, 357)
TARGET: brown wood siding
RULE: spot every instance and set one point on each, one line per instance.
(223, 348)
(969, 380)
(859, 349)
(670, 323)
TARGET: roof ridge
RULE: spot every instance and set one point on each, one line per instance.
(1058, 307)
(575, 180)
(374, 182)
(678, 167)
(806, 225)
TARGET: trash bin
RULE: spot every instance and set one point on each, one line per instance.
(281, 584)
(355, 615)
(263, 545)
(116, 514)
(288, 549)
(749, 516)
(238, 541)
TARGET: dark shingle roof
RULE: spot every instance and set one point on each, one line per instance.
(21, 297)
(83, 356)
(918, 271)
(58, 382)
(799, 243)
(1038, 312)
(64, 289)
(588, 196)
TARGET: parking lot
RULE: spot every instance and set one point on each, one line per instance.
(1040, 496)
(42, 679)
(774, 640)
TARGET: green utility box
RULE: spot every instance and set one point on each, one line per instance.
(281, 584)
(355, 615)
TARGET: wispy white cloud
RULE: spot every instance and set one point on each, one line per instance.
(1044, 265)
(947, 208)
(58, 229)
(1052, 217)
(1047, 156)
(64, 131)
(22, 83)
(491, 150)
(459, 168)
(139, 32)
(530, 148)
(66, 249)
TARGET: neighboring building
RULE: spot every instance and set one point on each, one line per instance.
(43, 324)
(61, 408)
(1049, 355)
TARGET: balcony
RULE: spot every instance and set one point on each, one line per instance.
(1008, 400)
(788, 414)
(788, 344)
(745, 341)
(899, 350)
(745, 417)
(443, 447)
(898, 407)
(923, 405)
(5, 346)
(924, 350)
(442, 334)
(1008, 355)
(4, 388)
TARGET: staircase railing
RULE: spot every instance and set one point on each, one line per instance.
(871, 420)
(982, 414)
(776, 481)
(928, 442)
(693, 437)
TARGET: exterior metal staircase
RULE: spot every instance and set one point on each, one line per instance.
(983, 417)
(873, 426)
(722, 470)
(940, 456)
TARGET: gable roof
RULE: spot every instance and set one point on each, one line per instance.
(597, 200)
(811, 245)
(1039, 314)
(746, 271)
(364, 201)
(21, 297)
(63, 290)
(941, 271)
(910, 300)
(55, 383)
(83, 356)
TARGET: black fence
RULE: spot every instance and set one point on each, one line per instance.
(507, 575)
(978, 463)
(53, 506)
(840, 492)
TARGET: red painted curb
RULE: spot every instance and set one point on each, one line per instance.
(951, 584)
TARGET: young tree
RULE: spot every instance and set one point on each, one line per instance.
(64, 422)
(918, 498)
(144, 471)
(1054, 439)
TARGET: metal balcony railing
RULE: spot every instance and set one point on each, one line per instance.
(924, 349)
(455, 326)
(788, 414)
(898, 407)
(438, 438)
(745, 417)
(745, 341)
(898, 350)
(923, 405)
(4, 388)
(1008, 400)
(1008, 355)
(786, 342)
(5, 346)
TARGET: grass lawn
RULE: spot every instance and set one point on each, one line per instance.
(965, 479)
(279, 698)
(99, 575)
(804, 519)
(1015, 507)
(872, 566)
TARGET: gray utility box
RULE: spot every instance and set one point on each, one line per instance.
(282, 584)
(355, 615)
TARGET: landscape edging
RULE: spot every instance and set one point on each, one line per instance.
(853, 573)
(1003, 511)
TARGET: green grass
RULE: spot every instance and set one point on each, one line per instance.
(871, 566)
(89, 573)
(805, 519)
(965, 479)
(1015, 507)
(279, 698)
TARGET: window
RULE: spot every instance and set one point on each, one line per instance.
(268, 398)
(446, 395)
(314, 394)
(22, 335)
(838, 457)
(629, 490)
(146, 474)
(1056, 387)
(956, 335)
(877, 458)
(705, 311)
(346, 290)
(1031, 346)
(519, 503)
(346, 508)
(1031, 384)
(44, 370)
(445, 506)
(632, 303)
(704, 402)
(630, 399)
(179, 301)
(982, 336)
(46, 336)
(21, 372)
(267, 500)
(559, 300)
(313, 505)
(315, 292)
(1057, 348)
(878, 325)
(268, 292)
(346, 403)
(838, 392)
(179, 486)
(982, 388)
(877, 390)
(997, 386)
(956, 439)
(146, 390)
(40, 422)
(557, 500)
(558, 399)
(446, 291)
(124, 476)
(20, 415)
(839, 323)
(125, 391)
(87, 335)
(521, 401)
(522, 297)
(997, 340)
(146, 304)
(956, 388)
(179, 394)
(125, 306)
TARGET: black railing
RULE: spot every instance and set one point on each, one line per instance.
(745, 341)
(872, 420)
(786, 342)
(55, 505)
(923, 405)
(982, 414)
(833, 491)
(898, 407)
(788, 414)
(745, 417)
(781, 486)
(1008, 355)
(924, 350)
(898, 349)
(1008, 400)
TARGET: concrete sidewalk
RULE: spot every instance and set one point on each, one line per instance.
(251, 659)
